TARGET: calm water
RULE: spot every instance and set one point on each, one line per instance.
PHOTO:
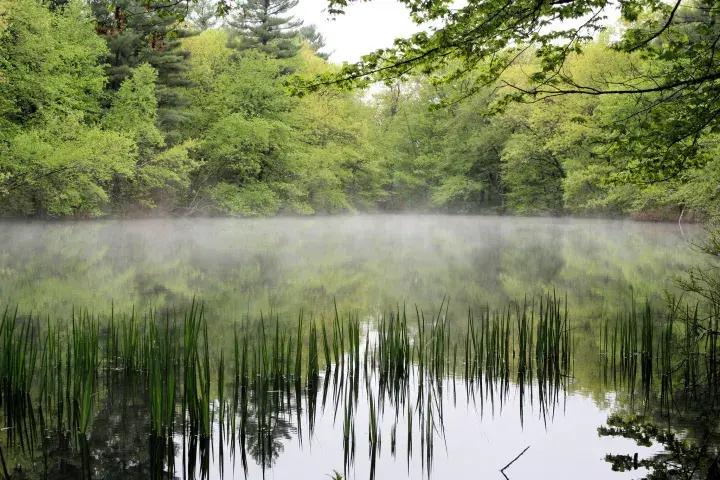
(366, 264)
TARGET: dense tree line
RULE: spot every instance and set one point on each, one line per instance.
(564, 154)
(635, 132)
(120, 107)
(116, 108)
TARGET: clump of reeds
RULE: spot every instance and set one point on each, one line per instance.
(670, 355)
(276, 367)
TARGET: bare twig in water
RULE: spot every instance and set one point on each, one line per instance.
(502, 470)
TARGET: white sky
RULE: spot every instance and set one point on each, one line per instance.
(365, 27)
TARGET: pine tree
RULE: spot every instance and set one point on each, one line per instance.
(203, 15)
(263, 26)
(314, 39)
(135, 35)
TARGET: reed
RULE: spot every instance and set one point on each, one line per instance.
(668, 356)
(397, 363)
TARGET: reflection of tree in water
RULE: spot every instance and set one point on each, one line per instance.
(534, 257)
(689, 450)
(120, 444)
(117, 445)
(287, 264)
(268, 424)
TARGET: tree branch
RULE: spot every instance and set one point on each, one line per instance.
(659, 32)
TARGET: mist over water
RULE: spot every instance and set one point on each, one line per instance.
(363, 262)
(368, 265)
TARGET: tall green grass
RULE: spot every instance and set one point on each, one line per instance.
(668, 356)
(401, 363)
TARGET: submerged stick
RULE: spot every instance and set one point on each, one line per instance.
(502, 470)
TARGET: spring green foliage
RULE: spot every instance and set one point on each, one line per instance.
(556, 154)
(671, 84)
(119, 114)
(114, 108)
(56, 160)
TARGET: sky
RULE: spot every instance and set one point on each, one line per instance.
(369, 25)
(365, 27)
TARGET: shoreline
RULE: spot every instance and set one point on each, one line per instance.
(686, 218)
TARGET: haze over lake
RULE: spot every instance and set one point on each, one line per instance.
(367, 266)
(363, 262)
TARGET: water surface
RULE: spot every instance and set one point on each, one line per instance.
(367, 265)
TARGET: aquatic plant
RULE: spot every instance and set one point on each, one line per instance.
(399, 363)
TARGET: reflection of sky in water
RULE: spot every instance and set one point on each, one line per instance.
(369, 263)
(478, 445)
(478, 432)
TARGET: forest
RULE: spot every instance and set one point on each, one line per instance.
(132, 109)
(175, 336)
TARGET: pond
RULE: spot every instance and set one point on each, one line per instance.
(362, 262)
(377, 396)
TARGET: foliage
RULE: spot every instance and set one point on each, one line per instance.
(135, 35)
(134, 110)
(203, 15)
(670, 83)
(53, 159)
(314, 39)
(252, 200)
(555, 155)
(49, 66)
(202, 122)
(302, 156)
(64, 170)
(263, 26)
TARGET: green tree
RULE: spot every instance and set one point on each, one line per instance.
(49, 66)
(224, 83)
(315, 40)
(204, 15)
(134, 110)
(246, 169)
(247, 152)
(673, 89)
(265, 26)
(160, 176)
(136, 34)
(54, 159)
(470, 172)
(339, 165)
(63, 169)
(441, 159)
(409, 139)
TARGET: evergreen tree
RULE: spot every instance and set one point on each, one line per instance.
(314, 39)
(263, 25)
(204, 15)
(136, 35)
